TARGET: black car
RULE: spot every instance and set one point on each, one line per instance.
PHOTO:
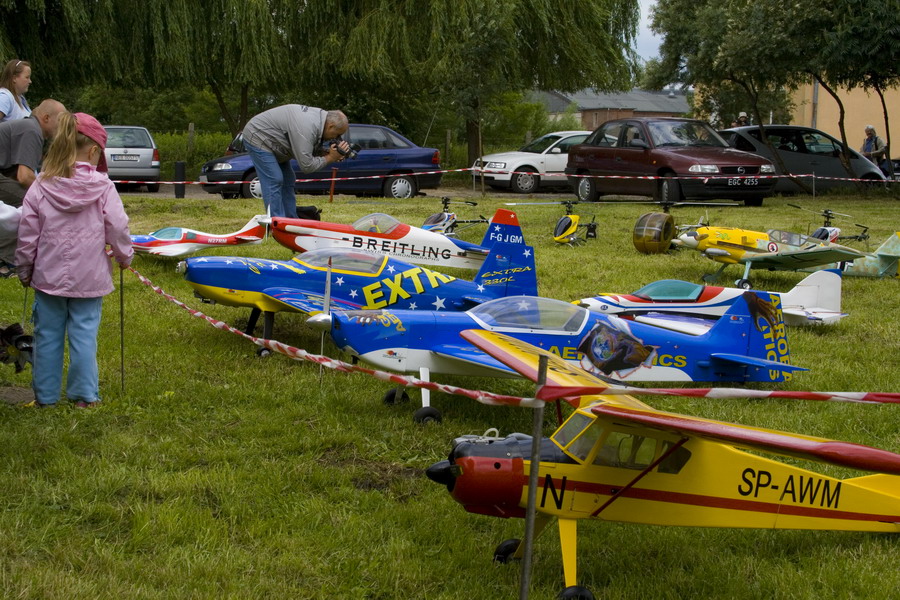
(387, 164)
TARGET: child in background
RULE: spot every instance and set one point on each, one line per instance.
(69, 215)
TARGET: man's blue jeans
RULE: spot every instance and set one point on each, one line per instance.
(277, 182)
(54, 317)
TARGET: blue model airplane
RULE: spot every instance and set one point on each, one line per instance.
(747, 344)
(359, 280)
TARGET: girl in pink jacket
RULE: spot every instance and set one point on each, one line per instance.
(69, 215)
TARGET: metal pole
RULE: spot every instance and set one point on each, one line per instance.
(122, 326)
(179, 176)
(531, 508)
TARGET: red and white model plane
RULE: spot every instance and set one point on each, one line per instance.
(379, 233)
(179, 241)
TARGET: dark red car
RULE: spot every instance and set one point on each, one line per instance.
(684, 159)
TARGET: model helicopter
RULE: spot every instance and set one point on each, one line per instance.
(566, 229)
(618, 459)
(833, 234)
(446, 222)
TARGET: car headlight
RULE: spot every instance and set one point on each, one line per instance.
(221, 167)
(767, 169)
(495, 165)
(704, 169)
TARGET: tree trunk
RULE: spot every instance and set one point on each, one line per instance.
(223, 108)
(845, 155)
(887, 133)
(473, 128)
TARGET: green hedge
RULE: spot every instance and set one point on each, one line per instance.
(175, 146)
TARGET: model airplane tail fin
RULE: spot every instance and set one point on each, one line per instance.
(504, 227)
(508, 270)
(891, 246)
(817, 298)
(255, 229)
(752, 333)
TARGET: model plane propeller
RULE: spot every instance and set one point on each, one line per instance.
(180, 241)
(618, 459)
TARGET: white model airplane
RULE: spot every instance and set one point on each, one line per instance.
(815, 300)
(179, 241)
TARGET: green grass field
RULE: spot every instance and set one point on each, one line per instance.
(217, 474)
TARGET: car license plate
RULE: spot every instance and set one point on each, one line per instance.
(743, 181)
(128, 157)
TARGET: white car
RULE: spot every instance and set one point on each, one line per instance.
(539, 164)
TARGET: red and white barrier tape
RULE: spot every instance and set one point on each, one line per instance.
(547, 392)
(476, 171)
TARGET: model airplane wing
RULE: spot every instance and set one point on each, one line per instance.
(802, 259)
(751, 361)
(845, 454)
(306, 302)
(467, 354)
(563, 380)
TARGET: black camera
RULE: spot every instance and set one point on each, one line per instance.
(327, 144)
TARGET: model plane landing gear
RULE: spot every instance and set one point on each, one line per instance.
(427, 414)
(575, 592)
(395, 396)
(744, 284)
(506, 551)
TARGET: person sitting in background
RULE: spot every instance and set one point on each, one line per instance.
(14, 82)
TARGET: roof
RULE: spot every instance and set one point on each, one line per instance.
(640, 101)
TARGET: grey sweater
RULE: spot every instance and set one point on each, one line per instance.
(289, 130)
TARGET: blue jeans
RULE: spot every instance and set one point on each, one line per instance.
(54, 316)
(277, 182)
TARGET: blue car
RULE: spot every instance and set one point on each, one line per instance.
(395, 166)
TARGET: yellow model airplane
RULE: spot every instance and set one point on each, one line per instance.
(779, 250)
(618, 459)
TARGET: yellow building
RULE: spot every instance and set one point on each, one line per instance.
(814, 107)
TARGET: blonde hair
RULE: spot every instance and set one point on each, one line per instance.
(60, 159)
(13, 68)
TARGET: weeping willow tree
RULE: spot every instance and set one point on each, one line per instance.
(460, 53)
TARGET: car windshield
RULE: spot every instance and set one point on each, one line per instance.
(530, 313)
(342, 259)
(376, 223)
(128, 137)
(670, 290)
(541, 144)
(684, 133)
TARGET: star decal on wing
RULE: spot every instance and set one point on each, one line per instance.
(391, 269)
(438, 303)
(339, 281)
(353, 293)
(480, 288)
(412, 306)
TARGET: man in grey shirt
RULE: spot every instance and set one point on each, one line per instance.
(21, 148)
(273, 137)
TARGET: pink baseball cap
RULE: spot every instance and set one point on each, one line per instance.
(88, 126)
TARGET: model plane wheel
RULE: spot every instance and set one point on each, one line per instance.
(427, 414)
(524, 183)
(575, 592)
(744, 284)
(504, 552)
(395, 396)
(263, 352)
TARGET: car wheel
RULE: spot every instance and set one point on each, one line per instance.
(152, 188)
(401, 186)
(525, 183)
(669, 189)
(586, 190)
(252, 189)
